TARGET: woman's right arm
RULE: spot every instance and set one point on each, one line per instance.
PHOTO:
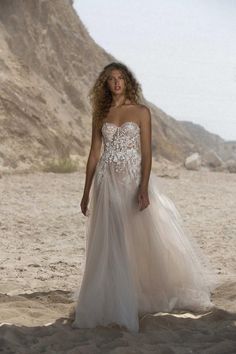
(94, 155)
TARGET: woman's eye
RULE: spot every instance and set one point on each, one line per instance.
(113, 79)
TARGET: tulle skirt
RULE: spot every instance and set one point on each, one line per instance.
(137, 262)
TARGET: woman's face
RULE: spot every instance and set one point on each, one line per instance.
(116, 82)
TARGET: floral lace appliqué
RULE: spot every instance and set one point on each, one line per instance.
(121, 151)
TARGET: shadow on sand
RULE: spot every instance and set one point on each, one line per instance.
(41, 323)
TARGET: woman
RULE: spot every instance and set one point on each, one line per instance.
(138, 258)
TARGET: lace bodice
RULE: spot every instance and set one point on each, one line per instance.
(122, 151)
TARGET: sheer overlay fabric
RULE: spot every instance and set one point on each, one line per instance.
(137, 262)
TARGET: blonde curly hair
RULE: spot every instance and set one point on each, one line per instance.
(100, 95)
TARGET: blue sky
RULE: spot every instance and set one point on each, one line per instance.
(183, 52)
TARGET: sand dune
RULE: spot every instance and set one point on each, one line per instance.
(42, 258)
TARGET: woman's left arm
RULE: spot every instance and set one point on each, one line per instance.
(146, 155)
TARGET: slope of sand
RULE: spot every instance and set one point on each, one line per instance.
(42, 259)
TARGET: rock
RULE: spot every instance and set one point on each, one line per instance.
(193, 162)
(212, 159)
(221, 168)
(1, 162)
(231, 166)
(164, 168)
(170, 173)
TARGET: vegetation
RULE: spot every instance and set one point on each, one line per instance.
(62, 165)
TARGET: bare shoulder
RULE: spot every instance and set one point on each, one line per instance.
(143, 109)
(144, 114)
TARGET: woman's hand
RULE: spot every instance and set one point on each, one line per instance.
(84, 204)
(143, 198)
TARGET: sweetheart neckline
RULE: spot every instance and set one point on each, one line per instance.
(118, 127)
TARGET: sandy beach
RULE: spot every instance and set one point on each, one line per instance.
(42, 259)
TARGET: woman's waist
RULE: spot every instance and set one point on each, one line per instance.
(121, 155)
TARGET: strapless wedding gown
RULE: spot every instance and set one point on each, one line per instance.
(137, 262)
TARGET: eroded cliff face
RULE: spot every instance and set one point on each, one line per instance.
(48, 62)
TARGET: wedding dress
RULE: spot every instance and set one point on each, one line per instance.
(137, 262)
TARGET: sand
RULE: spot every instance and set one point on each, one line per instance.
(42, 238)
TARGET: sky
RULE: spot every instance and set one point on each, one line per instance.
(183, 53)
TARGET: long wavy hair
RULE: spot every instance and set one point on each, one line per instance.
(100, 95)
